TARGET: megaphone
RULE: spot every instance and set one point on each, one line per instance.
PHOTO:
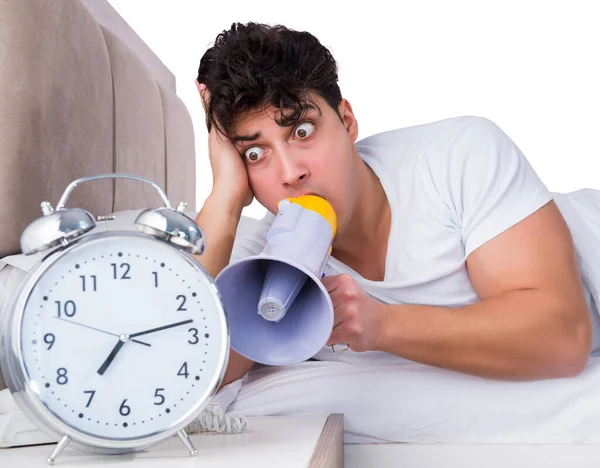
(278, 310)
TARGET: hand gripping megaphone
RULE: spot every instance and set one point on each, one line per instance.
(278, 310)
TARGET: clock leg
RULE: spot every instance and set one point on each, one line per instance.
(62, 443)
(187, 442)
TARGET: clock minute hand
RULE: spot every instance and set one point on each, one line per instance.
(125, 338)
(152, 330)
(99, 330)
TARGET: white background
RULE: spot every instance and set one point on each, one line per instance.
(532, 67)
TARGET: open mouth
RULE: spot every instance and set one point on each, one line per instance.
(314, 194)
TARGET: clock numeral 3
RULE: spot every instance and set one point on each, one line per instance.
(157, 394)
(69, 308)
(61, 378)
(183, 371)
(194, 337)
(122, 265)
(124, 410)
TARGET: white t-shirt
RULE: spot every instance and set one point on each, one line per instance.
(452, 185)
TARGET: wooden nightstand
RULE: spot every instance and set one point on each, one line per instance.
(270, 441)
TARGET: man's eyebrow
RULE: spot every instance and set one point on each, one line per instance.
(239, 138)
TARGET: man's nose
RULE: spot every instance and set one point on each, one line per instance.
(293, 170)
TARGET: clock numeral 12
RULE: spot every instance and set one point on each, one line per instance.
(122, 265)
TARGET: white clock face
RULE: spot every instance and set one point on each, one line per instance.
(122, 337)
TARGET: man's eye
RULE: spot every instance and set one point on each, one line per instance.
(254, 153)
(304, 130)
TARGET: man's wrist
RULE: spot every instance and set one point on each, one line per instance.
(230, 204)
(385, 312)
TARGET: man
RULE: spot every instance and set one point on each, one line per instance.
(449, 252)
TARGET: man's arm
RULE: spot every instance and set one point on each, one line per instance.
(532, 321)
(218, 220)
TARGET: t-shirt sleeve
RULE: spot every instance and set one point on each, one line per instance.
(251, 237)
(487, 183)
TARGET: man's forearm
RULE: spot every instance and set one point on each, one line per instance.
(520, 335)
(218, 220)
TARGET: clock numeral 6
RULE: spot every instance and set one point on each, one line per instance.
(61, 378)
(122, 265)
(124, 410)
(69, 308)
(157, 394)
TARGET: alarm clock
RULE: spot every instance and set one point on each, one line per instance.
(115, 340)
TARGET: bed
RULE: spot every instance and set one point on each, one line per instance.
(81, 94)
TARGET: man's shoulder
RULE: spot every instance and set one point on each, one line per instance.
(424, 132)
(427, 143)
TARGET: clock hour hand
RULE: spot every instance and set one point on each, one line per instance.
(111, 356)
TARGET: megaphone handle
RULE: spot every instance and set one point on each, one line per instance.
(337, 344)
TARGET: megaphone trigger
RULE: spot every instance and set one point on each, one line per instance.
(338, 351)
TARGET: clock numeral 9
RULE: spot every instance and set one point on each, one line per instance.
(69, 308)
(158, 395)
(122, 265)
(61, 378)
(182, 298)
(83, 282)
(124, 410)
(49, 339)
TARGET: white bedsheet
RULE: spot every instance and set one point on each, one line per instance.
(423, 404)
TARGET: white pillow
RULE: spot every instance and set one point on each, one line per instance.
(422, 404)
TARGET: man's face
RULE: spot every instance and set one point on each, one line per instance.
(314, 156)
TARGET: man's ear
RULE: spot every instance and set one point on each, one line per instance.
(348, 118)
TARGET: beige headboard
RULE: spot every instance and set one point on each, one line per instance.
(82, 94)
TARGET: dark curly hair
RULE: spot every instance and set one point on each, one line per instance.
(253, 66)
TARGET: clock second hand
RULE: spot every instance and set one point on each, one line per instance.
(98, 329)
(125, 338)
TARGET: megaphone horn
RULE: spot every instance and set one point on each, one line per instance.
(278, 310)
